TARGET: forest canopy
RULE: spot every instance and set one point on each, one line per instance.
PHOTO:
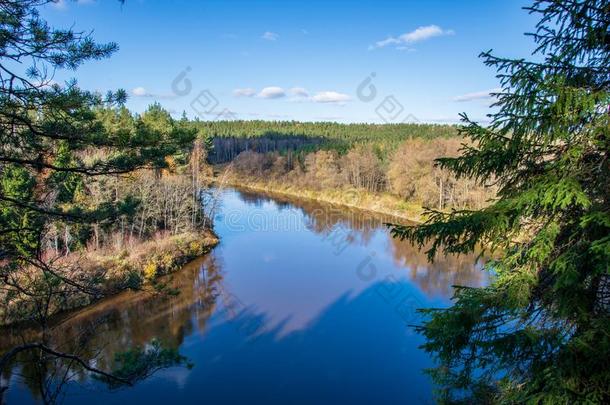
(539, 333)
(233, 137)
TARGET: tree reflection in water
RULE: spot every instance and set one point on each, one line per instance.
(434, 279)
(133, 335)
(335, 329)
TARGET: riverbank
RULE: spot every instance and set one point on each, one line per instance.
(145, 263)
(381, 203)
(138, 265)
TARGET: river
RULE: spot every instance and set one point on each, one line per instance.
(300, 303)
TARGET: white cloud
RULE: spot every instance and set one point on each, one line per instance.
(299, 92)
(479, 95)
(330, 97)
(246, 92)
(386, 42)
(270, 36)
(423, 33)
(272, 92)
(418, 35)
(140, 92)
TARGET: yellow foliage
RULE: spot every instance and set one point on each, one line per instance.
(171, 165)
(167, 259)
(150, 270)
(195, 247)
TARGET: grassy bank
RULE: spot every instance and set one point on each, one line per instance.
(382, 203)
(144, 263)
(136, 265)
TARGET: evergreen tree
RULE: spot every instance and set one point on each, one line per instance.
(540, 332)
(21, 225)
(54, 140)
(54, 136)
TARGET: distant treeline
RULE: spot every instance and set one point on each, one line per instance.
(398, 159)
(409, 173)
(225, 149)
(230, 138)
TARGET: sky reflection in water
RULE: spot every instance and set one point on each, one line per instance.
(300, 303)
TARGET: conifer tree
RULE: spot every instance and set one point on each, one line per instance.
(47, 130)
(53, 138)
(540, 332)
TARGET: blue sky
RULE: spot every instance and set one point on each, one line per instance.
(306, 60)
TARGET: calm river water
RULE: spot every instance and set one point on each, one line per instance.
(301, 303)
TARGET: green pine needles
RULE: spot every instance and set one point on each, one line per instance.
(540, 332)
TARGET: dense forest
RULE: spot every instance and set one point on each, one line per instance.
(96, 199)
(407, 171)
(539, 332)
(233, 137)
(98, 222)
(388, 158)
(93, 198)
